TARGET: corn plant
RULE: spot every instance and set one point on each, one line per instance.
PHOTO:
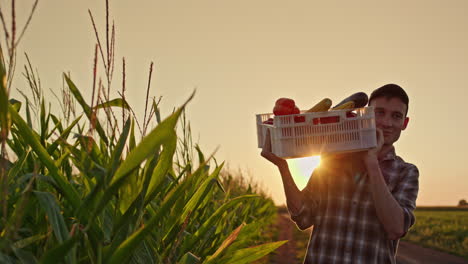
(82, 189)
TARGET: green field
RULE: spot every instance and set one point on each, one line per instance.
(444, 229)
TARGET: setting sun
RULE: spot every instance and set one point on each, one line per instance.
(302, 168)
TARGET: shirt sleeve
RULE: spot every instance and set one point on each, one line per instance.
(406, 193)
(305, 218)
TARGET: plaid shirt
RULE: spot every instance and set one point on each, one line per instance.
(338, 203)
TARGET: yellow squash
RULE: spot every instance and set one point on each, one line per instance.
(347, 105)
(322, 106)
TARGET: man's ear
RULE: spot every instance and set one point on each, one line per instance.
(405, 123)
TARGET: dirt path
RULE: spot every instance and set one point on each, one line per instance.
(409, 253)
(287, 252)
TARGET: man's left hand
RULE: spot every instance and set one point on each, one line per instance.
(374, 152)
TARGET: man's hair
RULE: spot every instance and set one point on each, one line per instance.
(391, 91)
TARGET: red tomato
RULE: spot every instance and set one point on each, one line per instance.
(269, 121)
(282, 110)
(296, 110)
(286, 102)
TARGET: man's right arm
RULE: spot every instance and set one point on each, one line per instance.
(300, 208)
(293, 194)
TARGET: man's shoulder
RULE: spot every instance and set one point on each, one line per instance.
(405, 166)
(403, 162)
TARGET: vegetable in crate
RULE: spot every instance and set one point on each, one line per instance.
(285, 106)
(347, 105)
(321, 106)
(269, 121)
(288, 102)
(296, 110)
(360, 99)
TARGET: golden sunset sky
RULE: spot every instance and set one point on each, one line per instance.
(243, 55)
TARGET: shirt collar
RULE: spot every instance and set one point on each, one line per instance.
(390, 155)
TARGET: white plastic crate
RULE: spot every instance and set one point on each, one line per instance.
(309, 134)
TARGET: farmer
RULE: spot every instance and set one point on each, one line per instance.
(359, 204)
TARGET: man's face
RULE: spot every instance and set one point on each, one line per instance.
(390, 117)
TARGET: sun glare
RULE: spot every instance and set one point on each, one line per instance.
(302, 168)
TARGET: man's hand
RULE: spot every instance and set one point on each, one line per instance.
(374, 153)
(267, 154)
(388, 210)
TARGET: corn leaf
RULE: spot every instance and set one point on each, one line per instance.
(196, 199)
(59, 252)
(29, 240)
(28, 114)
(24, 256)
(189, 258)
(18, 213)
(192, 205)
(119, 102)
(52, 209)
(63, 136)
(90, 147)
(244, 238)
(28, 135)
(86, 108)
(163, 165)
(16, 104)
(137, 206)
(156, 110)
(228, 241)
(201, 157)
(17, 166)
(130, 191)
(5, 259)
(215, 217)
(147, 146)
(116, 155)
(132, 140)
(5, 121)
(157, 137)
(125, 249)
(251, 254)
(57, 126)
(44, 122)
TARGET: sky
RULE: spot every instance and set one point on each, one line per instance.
(241, 56)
